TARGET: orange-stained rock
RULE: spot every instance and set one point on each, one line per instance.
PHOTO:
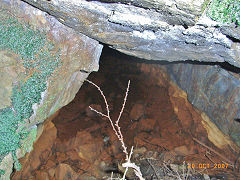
(81, 138)
(182, 150)
(50, 163)
(147, 124)
(42, 149)
(161, 128)
(61, 157)
(65, 172)
(137, 111)
(44, 143)
(51, 172)
(41, 175)
(90, 152)
(72, 155)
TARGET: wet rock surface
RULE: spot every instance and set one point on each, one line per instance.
(164, 128)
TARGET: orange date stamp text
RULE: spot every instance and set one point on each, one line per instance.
(207, 165)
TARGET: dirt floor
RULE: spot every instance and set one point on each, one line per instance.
(169, 139)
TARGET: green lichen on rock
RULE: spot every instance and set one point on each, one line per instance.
(9, 139)
(225, 11)
(2, 172)
(40, 60)
(204, 5)
(27, 143)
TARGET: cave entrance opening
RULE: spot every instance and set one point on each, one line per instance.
(166, 131)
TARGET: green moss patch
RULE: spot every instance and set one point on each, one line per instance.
(40, 60)
(225, 11)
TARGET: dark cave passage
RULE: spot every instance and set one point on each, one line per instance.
(157, 120)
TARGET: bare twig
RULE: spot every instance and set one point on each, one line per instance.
(136, 169)
(117, 129)
(120, 137)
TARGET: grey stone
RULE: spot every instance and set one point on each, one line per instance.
(78, 54)
(10, 70)
(156, 30)
(212, 90)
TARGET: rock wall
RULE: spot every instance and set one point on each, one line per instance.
(212, 90)
(44, 62)
(166, 31)
(157, 120)
(43, 65)
(171, 31)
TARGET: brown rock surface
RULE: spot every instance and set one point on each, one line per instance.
(137, 112)
(86, 147)
(65, 172)
(42, 150)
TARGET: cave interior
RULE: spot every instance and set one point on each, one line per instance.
(165, 129)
